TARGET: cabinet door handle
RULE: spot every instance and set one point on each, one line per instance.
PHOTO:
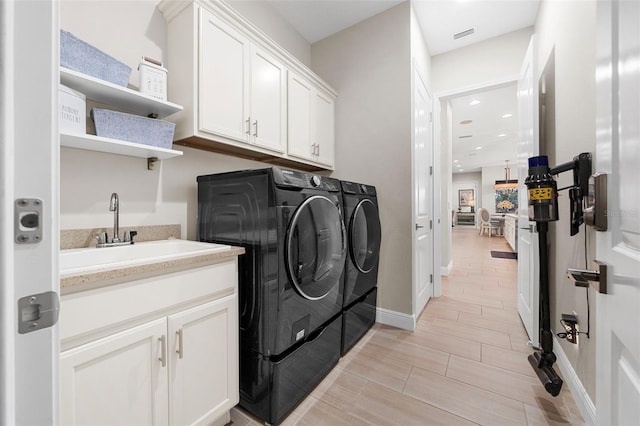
(163, 350)
(318, 149)
(255, 123)
(180, 349)
(313, 149)
(248, 121)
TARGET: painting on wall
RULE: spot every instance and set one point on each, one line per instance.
(506, 200)
(465, 198)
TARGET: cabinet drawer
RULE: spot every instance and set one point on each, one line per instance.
(98, 310)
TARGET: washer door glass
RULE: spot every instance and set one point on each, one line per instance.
(364, 236)
(316, 247)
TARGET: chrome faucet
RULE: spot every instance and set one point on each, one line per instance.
(114, 206)
(102, 237)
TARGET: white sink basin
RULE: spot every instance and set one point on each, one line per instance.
(89, 260)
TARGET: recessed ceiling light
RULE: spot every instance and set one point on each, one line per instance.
(458, 165)
(502, 135)
(466, 122)
(461, 170)
(474, 102)
(507, 115)
(478, 147)
(455, 161)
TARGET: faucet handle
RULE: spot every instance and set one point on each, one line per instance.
(101, 238)
(128, 236)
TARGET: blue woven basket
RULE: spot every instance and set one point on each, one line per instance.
(133, 128)
(80, 56)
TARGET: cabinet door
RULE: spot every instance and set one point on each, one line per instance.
(204, 362)
(223, 78)
(117, 380)
(268, 101)
(300, 94)
(322, 130)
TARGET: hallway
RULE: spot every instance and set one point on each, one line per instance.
(466, 363)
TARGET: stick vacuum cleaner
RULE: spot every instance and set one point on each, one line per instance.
(543, 208)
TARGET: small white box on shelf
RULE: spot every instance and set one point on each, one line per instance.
(72, 111)
(153, 79)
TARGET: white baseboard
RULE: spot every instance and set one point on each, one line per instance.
(396, 319)
(571, 379)
(446, 270)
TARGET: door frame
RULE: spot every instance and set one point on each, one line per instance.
(29, 158)
(443, 228)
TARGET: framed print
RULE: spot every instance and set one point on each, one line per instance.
(465, 197)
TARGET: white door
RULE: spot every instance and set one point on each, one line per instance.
(528, 272)
(422, 196)
(223, 78)
(268, 101)
(203, 356)
(118, 380)
(617, 154)
(29, 153)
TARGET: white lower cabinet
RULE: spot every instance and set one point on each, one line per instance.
(202, 371)
(511, 232)
(117, 380)
(153, 351)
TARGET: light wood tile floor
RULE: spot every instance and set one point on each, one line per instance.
(465, 364)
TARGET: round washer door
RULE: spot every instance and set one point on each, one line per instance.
(365, 235)
(316, 247)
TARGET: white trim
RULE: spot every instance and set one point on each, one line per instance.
(580, 396)
(468, 90)
(446, 270)
(396, 319)
(7, 306)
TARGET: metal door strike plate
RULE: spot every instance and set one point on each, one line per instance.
(38, 311)
(28, 221)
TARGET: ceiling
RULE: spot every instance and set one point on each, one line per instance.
(439, 21)
(491, 136)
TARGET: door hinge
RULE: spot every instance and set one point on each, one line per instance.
(430, 278)
(430, 117)
(431, 170)
(430, 224)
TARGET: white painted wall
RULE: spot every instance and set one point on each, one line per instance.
(488, 61)
(263, 16)
(570, 29)
(127, 30)
(369, 65)
(467, 181)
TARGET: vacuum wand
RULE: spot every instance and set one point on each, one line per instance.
(543, 208)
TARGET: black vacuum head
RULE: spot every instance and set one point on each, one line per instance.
(547, 375)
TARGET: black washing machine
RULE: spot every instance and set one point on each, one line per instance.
(361, 267)
(290, 278)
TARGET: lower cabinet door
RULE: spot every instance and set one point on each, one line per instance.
(203, 381)
(117, 380)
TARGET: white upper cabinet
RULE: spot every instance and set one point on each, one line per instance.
(268, 89)
(311, 122)
(223, 78)
(233, 82)
(323, 127)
